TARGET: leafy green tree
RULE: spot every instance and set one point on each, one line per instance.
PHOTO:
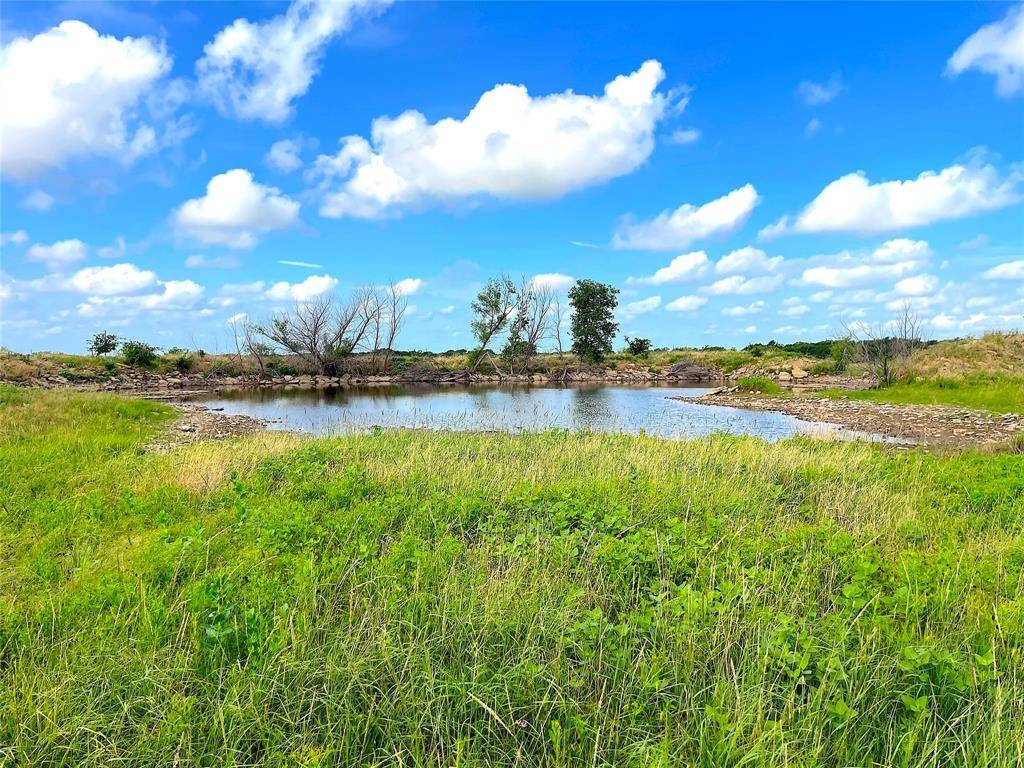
(103, 343)
(638, 347)
(593, 320)
(492, 309)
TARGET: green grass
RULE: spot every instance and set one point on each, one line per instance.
(997, 393)
(555, 599)
(760, 384)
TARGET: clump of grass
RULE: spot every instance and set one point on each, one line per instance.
(556, 599)
(758, 384)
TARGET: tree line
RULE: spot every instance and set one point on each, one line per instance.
(512, 322)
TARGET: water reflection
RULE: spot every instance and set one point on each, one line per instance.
(620, 408)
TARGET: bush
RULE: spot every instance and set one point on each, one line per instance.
(138, 354)
(823, 366)
(758, 384)
(182, 362)
(638, 347)
(841, 353)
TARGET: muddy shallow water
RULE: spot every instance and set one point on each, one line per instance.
(597, 408)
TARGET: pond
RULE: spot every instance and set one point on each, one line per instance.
(598, 407)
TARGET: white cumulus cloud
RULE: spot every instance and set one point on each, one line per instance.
(743, 311)
(58, 254)
(996, 49)
(853, 203)
(38, 200)
(688, 223)
(235, 211)
(284, 155)
(686, 304)
(893, 260)
(115, 280)
(917, 285)
(1011, 270)
(511, 145)
(408, 286)
(201, 261)
(256, 70)
(740, 285)
(552, 280)
(683, 268)
(70, 92)
(17, 237)
(310, 288)
(747, 260)
(174, 295)
(641, 307)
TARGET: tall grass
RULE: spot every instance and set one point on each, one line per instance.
(553, 599)
(999, 393)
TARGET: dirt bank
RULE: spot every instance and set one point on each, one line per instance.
(175, 384)
(927, 424)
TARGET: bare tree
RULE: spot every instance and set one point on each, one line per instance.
(308, 331)
(396, 304)
(558, 321)
(515, 348)
(530, 325)
(248, 347)
(542, 324)
(886, 349)
(323, 332)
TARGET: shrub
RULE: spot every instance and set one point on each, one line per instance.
(758, 384)
(823, 366)
(182, 362)
(638, 347)
(841, 351)
(138, 354)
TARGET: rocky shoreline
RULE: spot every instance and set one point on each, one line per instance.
(152, 384)
(197, 423)
(158, 383)
(920, 424)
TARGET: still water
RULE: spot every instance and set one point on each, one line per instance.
(594, 408)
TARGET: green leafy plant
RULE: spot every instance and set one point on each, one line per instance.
(761, 384)
(638, 347)
(138, 354)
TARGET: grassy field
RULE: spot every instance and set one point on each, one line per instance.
(998, 393)
(986, 372)
(553, 599)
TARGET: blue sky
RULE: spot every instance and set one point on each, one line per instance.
(740, 172)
